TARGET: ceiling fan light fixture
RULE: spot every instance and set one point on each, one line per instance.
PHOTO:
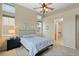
(46, 9)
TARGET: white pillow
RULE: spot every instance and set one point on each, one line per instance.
(30, 35)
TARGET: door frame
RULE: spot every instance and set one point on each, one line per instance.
(76, 30)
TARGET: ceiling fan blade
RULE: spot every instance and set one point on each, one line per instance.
(48, 3)
(50, 8)
(37, 8)
(41, 3)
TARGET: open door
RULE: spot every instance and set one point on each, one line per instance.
(59, 31)
(77, 31)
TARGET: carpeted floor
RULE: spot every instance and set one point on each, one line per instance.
(8, 53)
(52, 51)
(22, 51)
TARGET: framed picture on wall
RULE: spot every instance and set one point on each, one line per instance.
(47, 27)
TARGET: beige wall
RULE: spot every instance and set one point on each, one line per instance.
(68, 25)
(48, 29)
(2, 41)
(24, 17)
(0, 16)
(0, 26)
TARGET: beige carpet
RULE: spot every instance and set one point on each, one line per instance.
(8, 53)
(22, 51)
(53, 51)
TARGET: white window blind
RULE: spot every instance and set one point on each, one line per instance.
(8, 21)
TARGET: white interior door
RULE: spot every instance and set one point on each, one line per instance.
(77, 23)
(77, 35)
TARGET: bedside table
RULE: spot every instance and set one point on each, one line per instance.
(14, 42)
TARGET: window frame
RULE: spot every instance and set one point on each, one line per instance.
(8, 14)
(7, 17)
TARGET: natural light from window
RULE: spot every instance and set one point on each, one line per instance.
(8, 8)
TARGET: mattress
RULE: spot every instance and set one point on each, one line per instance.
(35, 44)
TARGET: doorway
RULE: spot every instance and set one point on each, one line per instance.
(77, 31)
(58, 31)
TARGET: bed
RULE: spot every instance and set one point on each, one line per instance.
(34, 43)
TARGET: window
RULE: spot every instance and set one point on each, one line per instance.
(8, 8)
(39, 18)
(39, 25)
(8, 21)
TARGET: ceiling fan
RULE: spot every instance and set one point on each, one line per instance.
(44, 7)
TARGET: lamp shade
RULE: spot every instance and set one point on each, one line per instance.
(12, 31)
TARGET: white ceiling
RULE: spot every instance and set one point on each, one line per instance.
(56, 6)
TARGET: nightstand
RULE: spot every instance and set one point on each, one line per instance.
(14, 42)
